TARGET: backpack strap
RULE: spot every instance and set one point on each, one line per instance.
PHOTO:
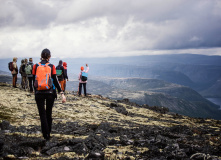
(44, 64)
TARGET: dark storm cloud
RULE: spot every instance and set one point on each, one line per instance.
(25, 13)
(181, 24)
(110, 26)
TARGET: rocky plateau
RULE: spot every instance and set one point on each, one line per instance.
(96, 127)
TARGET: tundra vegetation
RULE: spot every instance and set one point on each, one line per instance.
(96, 127)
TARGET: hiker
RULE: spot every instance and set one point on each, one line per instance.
(65, 74)
(14, 72)
(28, 72)
(46, 90)
(82, 81)
(23, 74)
(60, 74)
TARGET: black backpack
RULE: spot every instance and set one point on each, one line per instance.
(84, 76)
(23, 68)
(10, 66)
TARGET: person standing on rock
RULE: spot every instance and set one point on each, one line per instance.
(82, 77)
(65, 74)
(44, 74)
(23, 74)
(60, 74)
(28, 71)
(14, 72)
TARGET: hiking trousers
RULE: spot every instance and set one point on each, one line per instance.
(80, 88)
(24, 82)
(45, 113)
(14, 80)
(62, 84)
(31, 83)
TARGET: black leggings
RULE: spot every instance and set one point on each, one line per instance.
(84, 86)
(31, 83)
(45, 113)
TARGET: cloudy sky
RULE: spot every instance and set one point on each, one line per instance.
(103, 28)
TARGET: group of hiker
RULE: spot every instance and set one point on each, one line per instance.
(28, 79)
(25, 70)
(46, 80)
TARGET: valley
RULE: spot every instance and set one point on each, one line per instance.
(179, 82)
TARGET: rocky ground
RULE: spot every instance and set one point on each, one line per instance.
(96, 127)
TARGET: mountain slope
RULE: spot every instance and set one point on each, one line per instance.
(153, 92)
(177, 98)
(95, 127)
(213, 91)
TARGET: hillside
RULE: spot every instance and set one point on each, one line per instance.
(154, 92)
(213, 91)
(96, 127)
(177, 98)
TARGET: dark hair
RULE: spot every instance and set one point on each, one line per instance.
(60, 62)
(45, 53)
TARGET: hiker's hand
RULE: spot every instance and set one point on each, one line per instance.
(86, 65)
(63, 98)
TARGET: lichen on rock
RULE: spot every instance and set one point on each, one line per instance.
(97, 127)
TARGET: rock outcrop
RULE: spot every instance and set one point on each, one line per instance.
(96, 127)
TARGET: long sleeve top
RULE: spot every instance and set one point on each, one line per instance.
(15, 68)
(79, 76)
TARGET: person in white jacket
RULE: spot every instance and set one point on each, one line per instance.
(82, 82)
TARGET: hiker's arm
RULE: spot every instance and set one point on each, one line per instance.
(63, 72)
(34, 72)
(57, 85)
(66, 74)
(87, 69)
(55, 81)
(79, 76)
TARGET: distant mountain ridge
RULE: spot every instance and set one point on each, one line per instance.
(153, 92)
(177, 98)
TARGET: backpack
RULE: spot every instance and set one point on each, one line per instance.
(84, 76)
(58, 71)
(43, 80)
(10, 66)
(28, 69)
(23, 68)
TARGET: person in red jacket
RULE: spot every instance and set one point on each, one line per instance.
(48, 95)
(65, 74)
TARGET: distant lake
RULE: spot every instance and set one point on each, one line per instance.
(216, 101)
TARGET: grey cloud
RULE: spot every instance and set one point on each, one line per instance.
(25, 13)
(123, 24)
(188, 19)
